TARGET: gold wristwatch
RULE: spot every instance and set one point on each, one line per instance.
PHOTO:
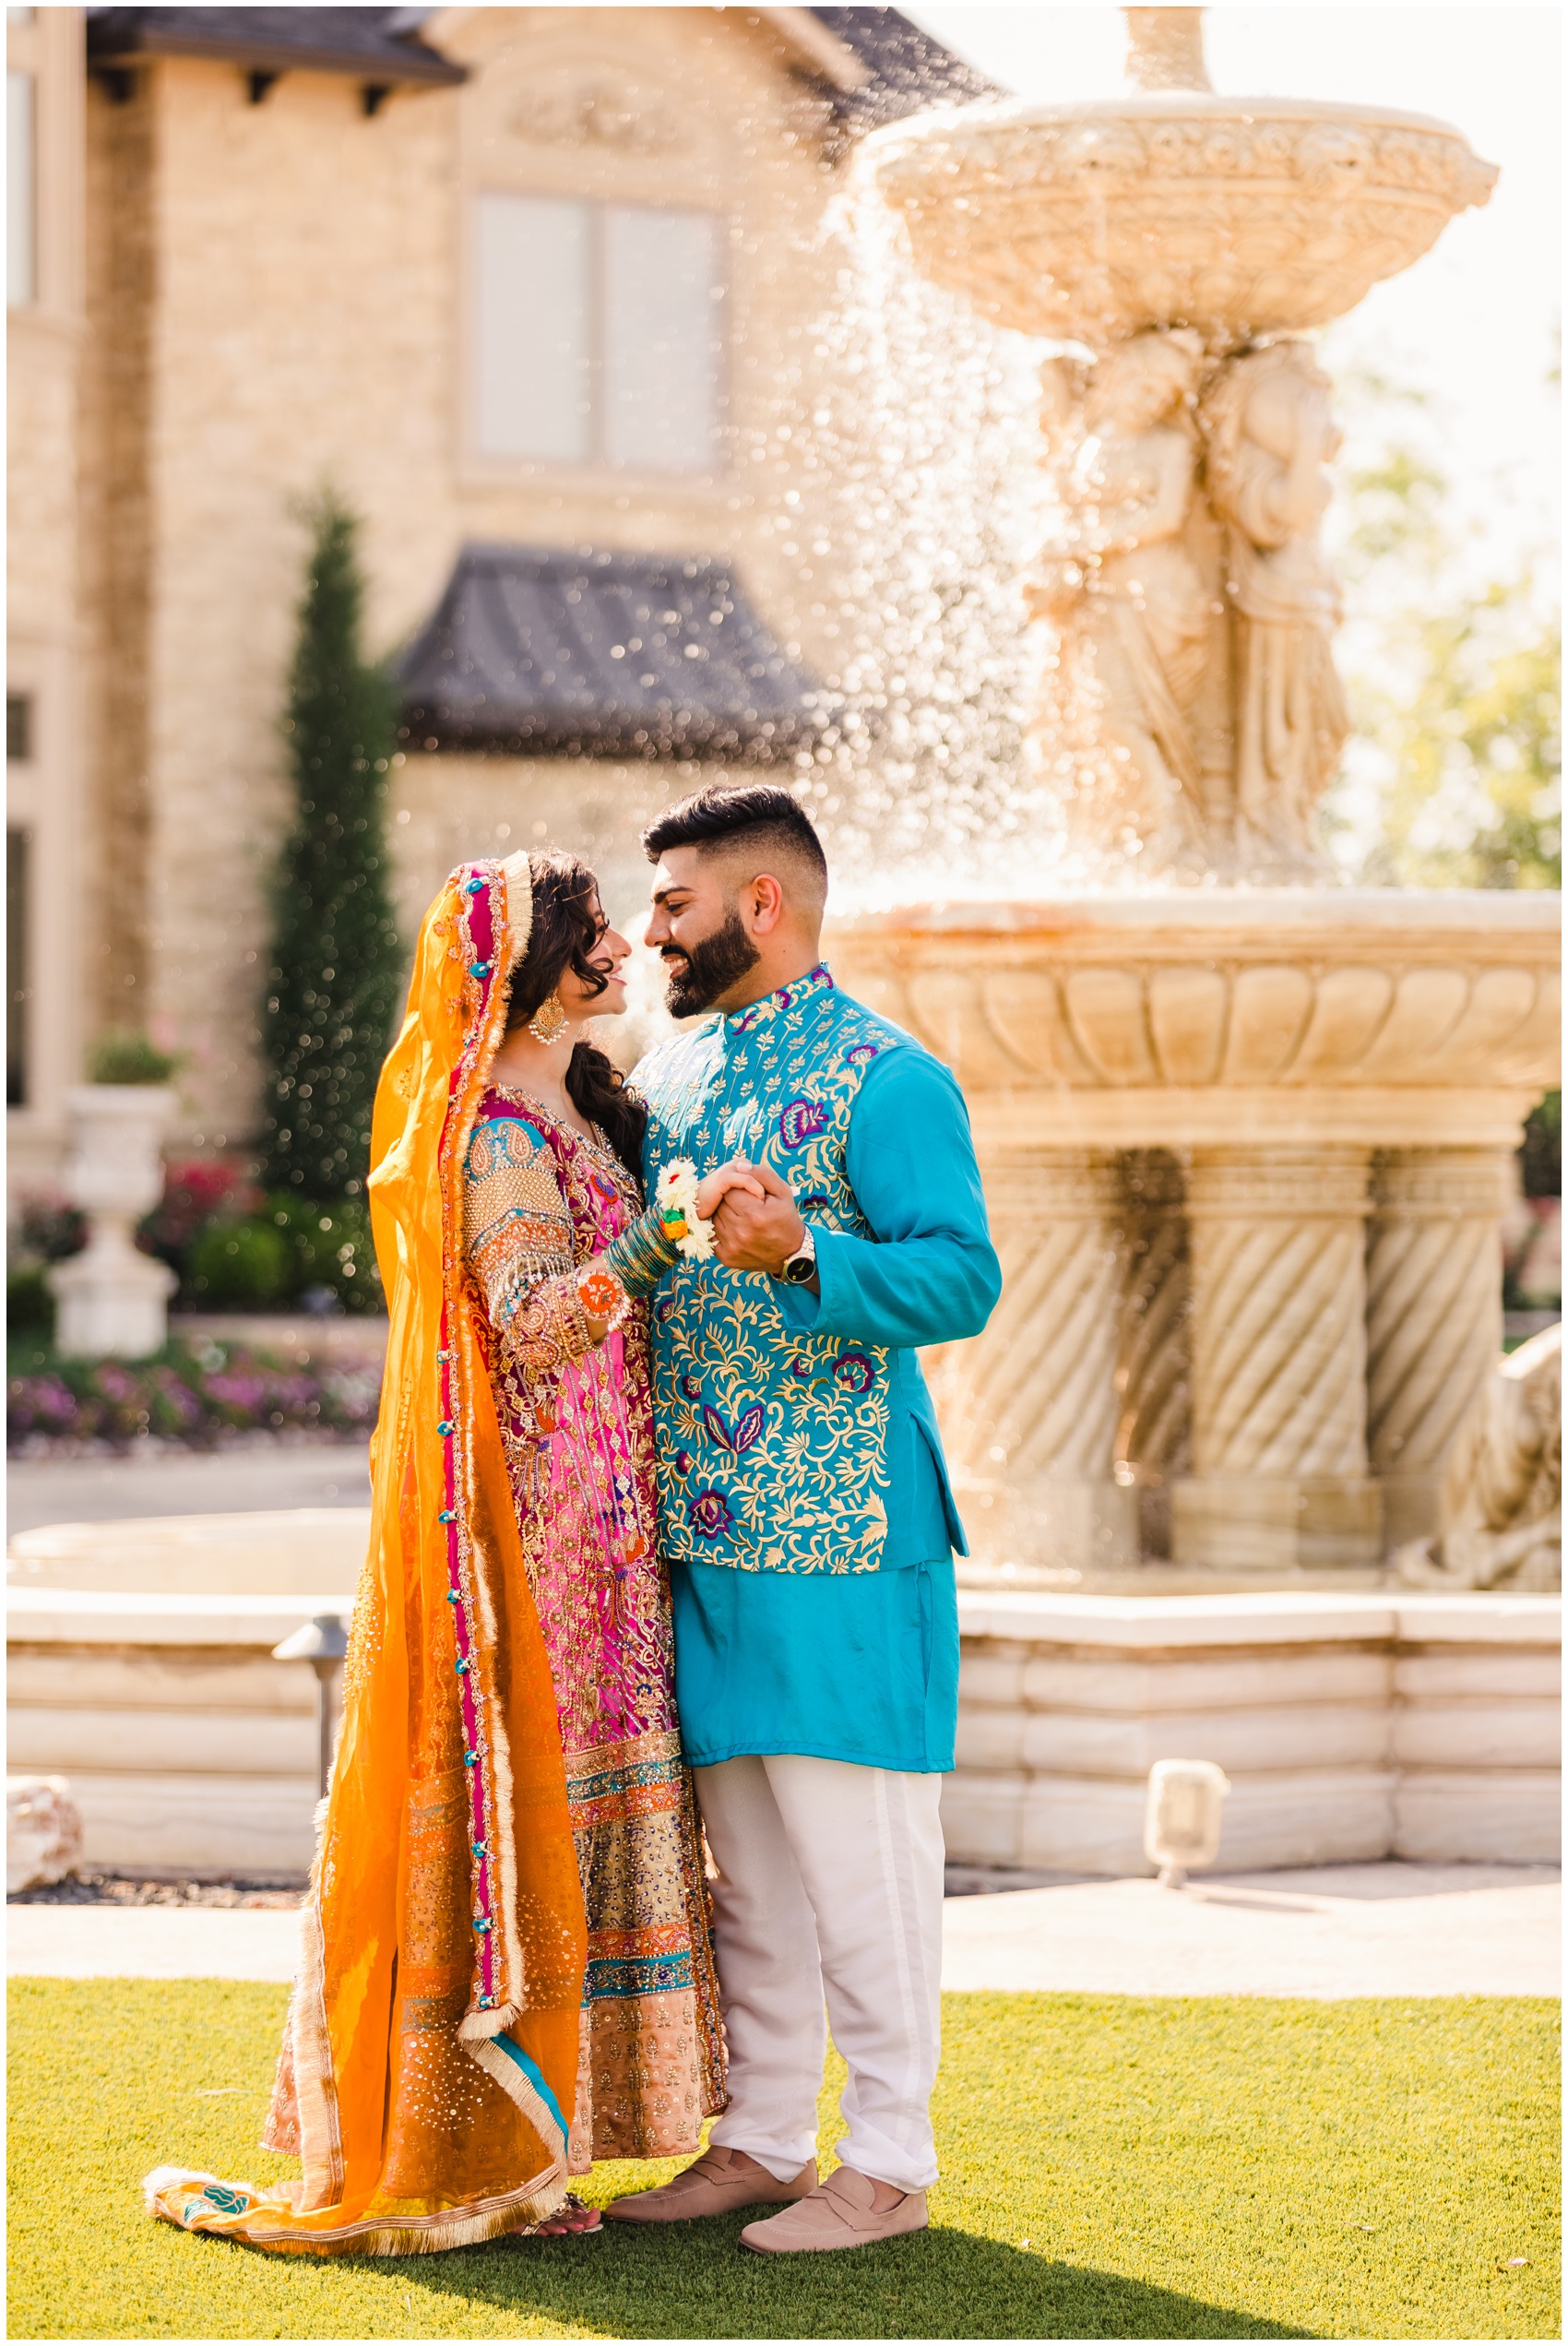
(800, 1269)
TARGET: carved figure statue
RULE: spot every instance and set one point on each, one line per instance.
(1121, 585)
(1502, 1507)
(1269, 435)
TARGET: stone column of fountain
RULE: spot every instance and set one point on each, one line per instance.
(1245, 1132)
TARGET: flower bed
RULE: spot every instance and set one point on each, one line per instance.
(196, 1394)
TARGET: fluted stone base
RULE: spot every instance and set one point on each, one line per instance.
(1300, 1523)
(1057, 1528)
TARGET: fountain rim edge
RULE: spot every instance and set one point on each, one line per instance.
(930, 128)
(1479, 912)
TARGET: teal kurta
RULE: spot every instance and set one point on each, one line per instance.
(811, 1563)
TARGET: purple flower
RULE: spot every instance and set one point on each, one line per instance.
(709, 1513)
(691, 1387)
(854, 1373)
(683, 1461)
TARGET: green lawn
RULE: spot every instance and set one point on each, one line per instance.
(1112, 2168)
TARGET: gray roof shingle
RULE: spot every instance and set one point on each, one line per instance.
(534, 650)
(908, 69)
(382, 44)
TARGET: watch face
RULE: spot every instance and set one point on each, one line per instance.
(798, 1271)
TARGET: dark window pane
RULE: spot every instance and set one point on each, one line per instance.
(18, 726)
(16, 969)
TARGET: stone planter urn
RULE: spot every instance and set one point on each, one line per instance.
(110, 1299)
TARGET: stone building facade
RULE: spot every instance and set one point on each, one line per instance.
(46, 652)
(410, 254)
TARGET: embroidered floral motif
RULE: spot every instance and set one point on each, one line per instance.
(800, 1122)
(805, 1489)
(711, 1518)
(787, 997)
(738, 1437)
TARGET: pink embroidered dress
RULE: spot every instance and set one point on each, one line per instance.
(577, 1426)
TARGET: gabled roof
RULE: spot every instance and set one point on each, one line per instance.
(379, 44)
(907, 70)
(888, 66)
(536, 649)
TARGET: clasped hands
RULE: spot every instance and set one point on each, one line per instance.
(755, 1225)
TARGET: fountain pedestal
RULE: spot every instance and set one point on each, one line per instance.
(1245, 1155)
(1277, 1347)
(1434, 1317)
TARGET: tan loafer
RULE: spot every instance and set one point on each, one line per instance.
(714, 2185)
(841, 2213)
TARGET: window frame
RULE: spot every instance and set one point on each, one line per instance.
(596, 472)
(22, 225)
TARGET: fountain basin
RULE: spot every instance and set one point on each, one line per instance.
(1205, 1016)
(1239, 217)
(1246, 1154)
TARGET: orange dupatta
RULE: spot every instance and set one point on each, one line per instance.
(429, 2063)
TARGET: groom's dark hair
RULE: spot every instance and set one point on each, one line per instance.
(755, 817)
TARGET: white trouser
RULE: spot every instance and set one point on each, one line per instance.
(829, 1880)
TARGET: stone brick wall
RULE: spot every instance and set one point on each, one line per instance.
(278, 300)
(45, 341)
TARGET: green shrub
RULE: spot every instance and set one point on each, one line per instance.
(238, 1265)
(1542, 1151)
(29, 1303)
(329, 1247)
(121, 1056)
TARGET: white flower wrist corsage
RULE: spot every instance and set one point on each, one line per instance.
(675, 1200)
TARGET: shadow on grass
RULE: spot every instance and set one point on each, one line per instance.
(687, 2282)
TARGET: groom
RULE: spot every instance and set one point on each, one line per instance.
(806, 1515)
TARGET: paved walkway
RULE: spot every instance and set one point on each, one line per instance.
(1332, 1931)
(165, 1482)
(1327, 1931)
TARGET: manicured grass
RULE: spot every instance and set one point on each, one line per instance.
(1112, 2168)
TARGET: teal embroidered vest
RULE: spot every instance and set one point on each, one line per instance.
(772, 1446)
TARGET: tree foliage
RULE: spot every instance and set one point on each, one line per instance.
(1456, 691)
(336, 959)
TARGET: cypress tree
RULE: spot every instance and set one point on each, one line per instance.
(332, 987)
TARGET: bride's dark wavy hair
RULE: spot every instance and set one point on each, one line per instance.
(566, 926)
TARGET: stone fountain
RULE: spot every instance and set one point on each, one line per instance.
(1246, 1134)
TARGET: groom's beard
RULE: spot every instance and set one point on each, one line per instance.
(713, 965)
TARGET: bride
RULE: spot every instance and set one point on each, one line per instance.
(506, 1965)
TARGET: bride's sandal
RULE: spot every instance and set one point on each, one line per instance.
(574, 2220)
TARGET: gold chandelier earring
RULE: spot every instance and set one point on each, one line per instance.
(549, 1020)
